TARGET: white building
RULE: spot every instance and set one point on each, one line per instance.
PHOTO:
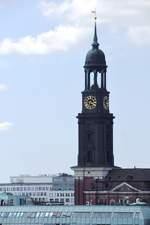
(41, 189)
(43, 178)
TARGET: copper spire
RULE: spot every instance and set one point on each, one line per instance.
(95, 43)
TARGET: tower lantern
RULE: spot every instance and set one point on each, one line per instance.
(95, 64)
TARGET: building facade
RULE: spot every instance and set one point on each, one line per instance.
(43, 178)
(43, 189)
(8, 199)
(97, 179)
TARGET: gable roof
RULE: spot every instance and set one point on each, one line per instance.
(125, 187)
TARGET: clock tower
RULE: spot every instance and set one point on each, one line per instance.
(95, 120)
(95, 124)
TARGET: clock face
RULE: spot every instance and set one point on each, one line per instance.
(106, 102)
(90, 102)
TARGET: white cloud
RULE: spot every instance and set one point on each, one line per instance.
(73, 17)
(115, 13)
(5, 126)
(140, 35)
(59, 39)
(108, 11)
(69, 10)
(3, 87)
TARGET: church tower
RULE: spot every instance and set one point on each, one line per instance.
(95, 122)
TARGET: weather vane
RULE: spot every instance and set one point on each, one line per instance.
(94, 13)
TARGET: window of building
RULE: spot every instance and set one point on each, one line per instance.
(89, 156)
(37, 214)
(30, 214)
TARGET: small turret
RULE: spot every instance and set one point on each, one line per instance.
(95, 63)
(95, 58)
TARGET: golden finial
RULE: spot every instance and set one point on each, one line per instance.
(95, 39)
(94, 14)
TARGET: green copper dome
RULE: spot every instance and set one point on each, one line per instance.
(95, 57)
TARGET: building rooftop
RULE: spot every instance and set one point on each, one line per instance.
(142, 174)
(75, 215)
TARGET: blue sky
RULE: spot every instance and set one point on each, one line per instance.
(43, 44)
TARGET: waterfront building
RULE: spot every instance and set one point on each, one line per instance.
(43, 178)
(42, 189)
(63, 182)
(97, 179)
(8, 199)
(60, 215)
